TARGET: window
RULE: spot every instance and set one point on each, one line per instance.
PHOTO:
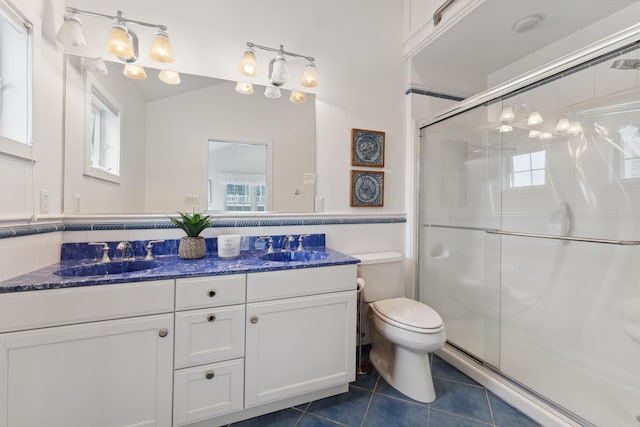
(630, 139)
(103, 138)
(15, 82)
(528, 169)
(245, 197)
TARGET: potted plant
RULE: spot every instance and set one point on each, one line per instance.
(192, 246)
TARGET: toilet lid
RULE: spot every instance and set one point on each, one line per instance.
(409, 312)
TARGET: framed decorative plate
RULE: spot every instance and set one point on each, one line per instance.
(367, 148)
(367, 189)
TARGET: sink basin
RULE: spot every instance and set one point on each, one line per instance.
(285, 256)
(101, 269)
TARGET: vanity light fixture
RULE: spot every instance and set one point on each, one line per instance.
(278, 71)
(96, 66)
(505, 128)
(563, 125)
(122, 42)
(134, 71)
(534, 133)
(575, 128)
(169, 77)
(507, 115)
(545, 136)
(244, 88)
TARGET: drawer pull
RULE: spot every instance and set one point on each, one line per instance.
(212, 293)
(211, 317)
(209, 375)
(253, 319)
(163, 332)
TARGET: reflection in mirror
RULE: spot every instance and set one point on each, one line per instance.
(164, 143)
(239, 176)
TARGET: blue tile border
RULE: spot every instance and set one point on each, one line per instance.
(27, 230)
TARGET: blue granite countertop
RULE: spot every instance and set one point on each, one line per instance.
(170, 267)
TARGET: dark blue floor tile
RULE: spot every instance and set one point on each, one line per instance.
(462, 399)
(368, 381)
(386, 411)
(285, 418)
(310, 420)
(441, 369)
(346, 408)
(507, 416)
(444, 419)
(385, 388)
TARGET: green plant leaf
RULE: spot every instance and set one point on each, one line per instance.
(192, 224)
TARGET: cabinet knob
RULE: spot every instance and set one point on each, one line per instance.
(253, 319)
(212, 293)
(209, 375)
(163, 332)
(211, 317)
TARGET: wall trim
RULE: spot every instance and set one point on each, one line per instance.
(150, 222)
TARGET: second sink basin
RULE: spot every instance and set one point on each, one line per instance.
(285, 256)
(101, 269)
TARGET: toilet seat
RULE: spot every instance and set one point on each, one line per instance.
(408, 314)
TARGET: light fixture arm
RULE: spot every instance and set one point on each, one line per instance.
(281, 51)
(118, 18)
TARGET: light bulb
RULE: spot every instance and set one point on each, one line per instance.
(169, 77)
(244, 88)
(248, 64)
(134, 71)
(119, 42)
(309, 77)
(161, 48)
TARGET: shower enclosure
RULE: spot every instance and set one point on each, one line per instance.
(529, 239)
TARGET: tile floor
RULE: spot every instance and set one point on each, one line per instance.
(371, 402)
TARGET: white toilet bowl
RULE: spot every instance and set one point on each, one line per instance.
(403, 333)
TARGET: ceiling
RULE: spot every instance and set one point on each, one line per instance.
(483, 41)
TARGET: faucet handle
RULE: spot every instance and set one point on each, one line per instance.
(300, 238)
(127, 250)
(269, 243)
(105, 251)
(149, 248)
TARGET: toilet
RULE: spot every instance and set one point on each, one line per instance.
(403, 331)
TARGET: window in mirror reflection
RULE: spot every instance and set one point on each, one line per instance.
(104, 136)
(15, 82)
(630, 137)
(238, 174)
(528, 169)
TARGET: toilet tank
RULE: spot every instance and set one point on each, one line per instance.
(383, 274)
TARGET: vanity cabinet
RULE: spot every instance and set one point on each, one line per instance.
(99, 373)
(300, 332)
(209, 347)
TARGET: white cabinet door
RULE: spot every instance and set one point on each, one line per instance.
(210, 335)
(100, 374)
(298, 345)
(207, 391)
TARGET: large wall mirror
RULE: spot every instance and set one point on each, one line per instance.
(163, 156)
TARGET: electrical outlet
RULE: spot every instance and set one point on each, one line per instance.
(191, 199)
(44, 201)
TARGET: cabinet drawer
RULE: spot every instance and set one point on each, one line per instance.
(52, 307)
(207, 391)
(201, 292)
(299, 282)
(209, 335)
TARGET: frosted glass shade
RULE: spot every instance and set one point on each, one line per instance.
(169, 77)
(562, 126)
(309, 77)
(505, 128)
(70, 34)
(272, 92)
(244, 88)
(575, 128)
(134, 71)
(248, 64)
(161, 48)
(297, 97)
(96, 66)
(534, 133)
(534, 119)
(507, 115)
(279, 70)
(119, 42)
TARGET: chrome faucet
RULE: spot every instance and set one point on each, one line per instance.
(300, 238)
(149, 248)
(127, 250)
(269, 243)
(105, 251)
(286, 243)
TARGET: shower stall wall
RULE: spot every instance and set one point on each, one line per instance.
(529, 242)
